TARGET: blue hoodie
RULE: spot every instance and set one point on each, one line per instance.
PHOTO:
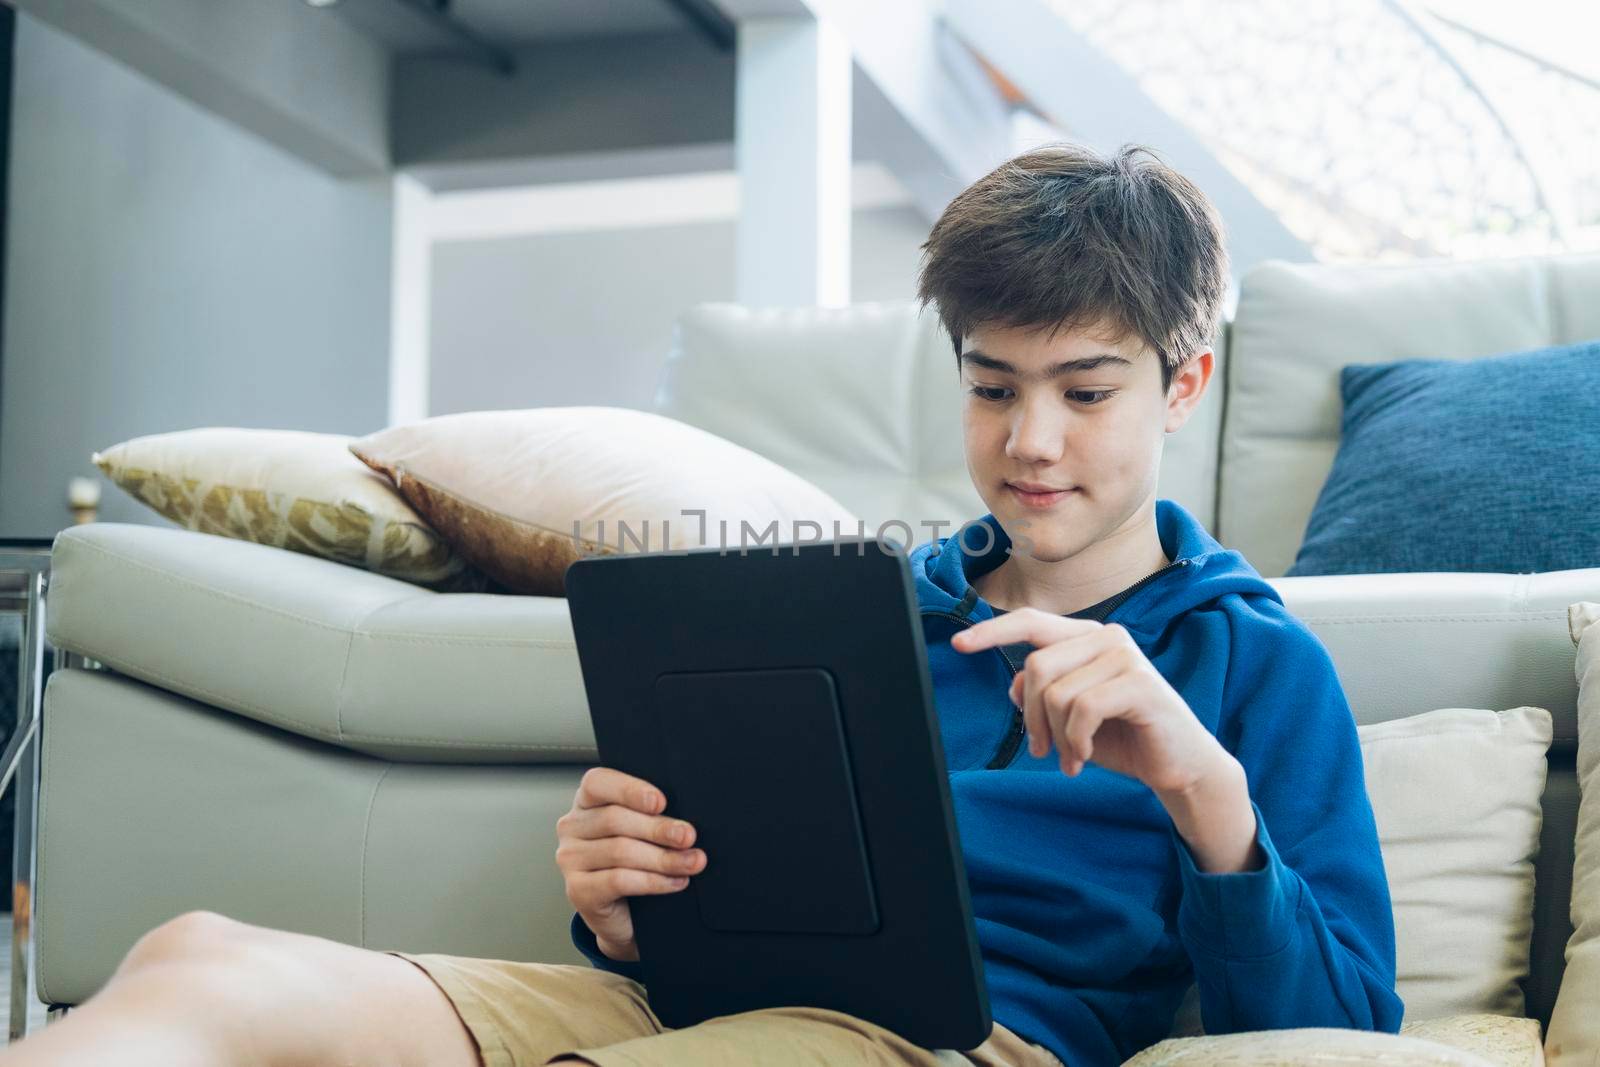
(1092, 916)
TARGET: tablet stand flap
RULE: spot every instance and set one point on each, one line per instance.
(759, 766)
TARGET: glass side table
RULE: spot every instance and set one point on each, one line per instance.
(24, 576)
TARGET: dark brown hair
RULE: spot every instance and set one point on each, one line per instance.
(1064, 237)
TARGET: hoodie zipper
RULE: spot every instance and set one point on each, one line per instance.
(1008, 748)
(1010, 742)
(1007, 752)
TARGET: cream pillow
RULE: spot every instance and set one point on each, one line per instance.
(1455, 793)
(290, 489)
(522, 494)
(1574, 1036)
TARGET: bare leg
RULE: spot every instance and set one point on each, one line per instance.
(207, 991)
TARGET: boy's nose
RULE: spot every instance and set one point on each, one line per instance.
(1035, 438)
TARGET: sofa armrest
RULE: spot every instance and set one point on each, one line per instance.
(324, 650)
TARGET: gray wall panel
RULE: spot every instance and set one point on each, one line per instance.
(166, 270)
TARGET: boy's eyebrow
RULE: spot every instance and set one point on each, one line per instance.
(1055, 370)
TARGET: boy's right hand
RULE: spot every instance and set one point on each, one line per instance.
(614, 843)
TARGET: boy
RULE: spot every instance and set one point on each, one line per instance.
(1155, 771)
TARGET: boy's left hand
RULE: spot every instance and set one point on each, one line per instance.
(1090, 690)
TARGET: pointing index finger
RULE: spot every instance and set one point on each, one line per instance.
(1037, 628)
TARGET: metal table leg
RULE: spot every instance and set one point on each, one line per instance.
(22, 890)
(22, 754)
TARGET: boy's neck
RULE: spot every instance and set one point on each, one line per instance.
(1065, 586)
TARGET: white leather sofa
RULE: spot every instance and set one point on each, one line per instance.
(308, 746)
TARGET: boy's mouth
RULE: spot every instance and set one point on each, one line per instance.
(1033, 495)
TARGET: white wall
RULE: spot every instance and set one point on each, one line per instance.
(585, 316)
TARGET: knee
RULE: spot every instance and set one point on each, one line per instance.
(194, 936)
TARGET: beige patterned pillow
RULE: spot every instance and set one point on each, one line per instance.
(522, 494)
(289, 489)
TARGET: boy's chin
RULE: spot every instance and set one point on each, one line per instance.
(1035, 537)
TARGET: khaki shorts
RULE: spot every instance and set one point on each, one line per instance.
(527, 1014)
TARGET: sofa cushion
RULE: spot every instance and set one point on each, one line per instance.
(1297, 324)
(865, 401)
(523, 494)
(1450, 465)
(1575, 1025)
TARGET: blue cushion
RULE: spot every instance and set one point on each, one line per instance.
(1463, 465)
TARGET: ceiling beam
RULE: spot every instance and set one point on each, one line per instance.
(569, 97)
(709, 19)
(315, 87)
(436, 13)
(923, 107)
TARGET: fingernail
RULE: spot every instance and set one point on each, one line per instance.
(680, 882)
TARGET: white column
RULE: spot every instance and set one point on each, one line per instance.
(410, 290)
(792, 151)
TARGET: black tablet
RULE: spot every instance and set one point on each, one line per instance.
(780, 699)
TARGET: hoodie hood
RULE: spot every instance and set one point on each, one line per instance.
(1201, 571)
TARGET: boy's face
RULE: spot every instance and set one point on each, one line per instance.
(1094, 432)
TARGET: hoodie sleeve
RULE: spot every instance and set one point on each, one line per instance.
(1308, 938)
(584, 939)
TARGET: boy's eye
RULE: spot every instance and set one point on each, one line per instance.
(1086, 397)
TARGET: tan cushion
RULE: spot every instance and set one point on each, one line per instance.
(1474, 1040)
(1456, 796)
(1575, 1023)
(289, 489)
(523, 494)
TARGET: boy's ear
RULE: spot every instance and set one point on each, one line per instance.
(1188, 386)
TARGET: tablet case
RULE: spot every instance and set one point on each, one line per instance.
(780, 699)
